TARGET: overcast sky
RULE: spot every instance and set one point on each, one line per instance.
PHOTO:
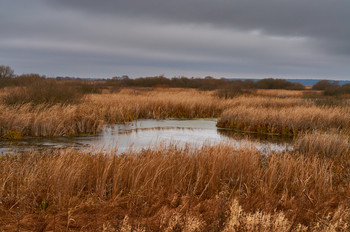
(221, 38)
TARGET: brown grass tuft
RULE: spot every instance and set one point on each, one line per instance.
(285, 121)
(327, 145)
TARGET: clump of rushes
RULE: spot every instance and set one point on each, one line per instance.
(287, 121)
(12, 135)
(333, 146)
(322, 144)
(212, 188)
(49, 121)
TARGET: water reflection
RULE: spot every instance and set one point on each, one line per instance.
(254, 137)
(144, 133)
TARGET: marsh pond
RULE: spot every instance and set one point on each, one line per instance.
(142, 134)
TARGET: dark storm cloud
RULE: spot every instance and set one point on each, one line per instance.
(250, 38)
(319, 18)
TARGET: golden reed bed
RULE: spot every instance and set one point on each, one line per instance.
(254, 113)
(285, 121)
(213, 188)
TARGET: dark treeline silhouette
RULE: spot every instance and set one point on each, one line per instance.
(40, 89)
(7, 78)
(332, 88)
(207, 83)
(271, 83)
(37, 89)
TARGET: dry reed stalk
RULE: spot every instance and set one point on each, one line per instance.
(239, 220)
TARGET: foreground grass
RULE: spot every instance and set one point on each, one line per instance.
(213, 188)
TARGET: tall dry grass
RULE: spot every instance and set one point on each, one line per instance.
(287, 120)
(259, 221)
(282, 93)
(322, 144)
(127, 105)
(96, 110)
(46, 120)
(131, 104)
(168, 188)
(255, 113)
(333, 146)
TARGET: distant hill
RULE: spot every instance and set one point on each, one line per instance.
(305, 82)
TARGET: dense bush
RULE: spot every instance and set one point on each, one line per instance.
(85, 87)
(325, 85)
(338, 90)
(6, 74)
(332, 88)
(236, 88)
(271, 83)
(35, 89)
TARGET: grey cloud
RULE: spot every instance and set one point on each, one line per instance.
(324, 18)
(244, 38)
(63, 63)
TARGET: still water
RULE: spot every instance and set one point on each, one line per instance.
(145, 133)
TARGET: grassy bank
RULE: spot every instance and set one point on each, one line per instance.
(202, 189)
(287, 121)
(94, 110)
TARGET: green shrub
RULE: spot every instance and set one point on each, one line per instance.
(12, 135)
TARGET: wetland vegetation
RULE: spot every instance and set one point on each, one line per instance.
(212, 187)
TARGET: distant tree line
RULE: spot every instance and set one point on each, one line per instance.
(228, 87)
(207, 83)
(38, 89)
(332, 88)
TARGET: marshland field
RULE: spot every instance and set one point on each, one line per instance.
(165, 186)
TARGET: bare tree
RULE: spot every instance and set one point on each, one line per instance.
(6, 72)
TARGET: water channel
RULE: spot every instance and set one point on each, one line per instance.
(143, 134)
